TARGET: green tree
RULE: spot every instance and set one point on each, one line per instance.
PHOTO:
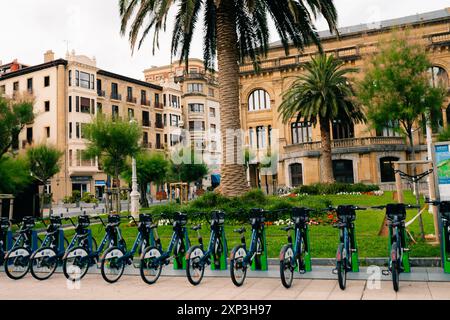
(234, 31)
(322, 94)
(14, 173)
(44, 164)
(112, 142)
(14, 116)
(396, 88)
(151, 168)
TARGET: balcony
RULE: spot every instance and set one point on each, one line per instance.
(145, 102)
(159, 105)
(146, 123)
(355, 145)
(203, 76)
(147, 145)
(159, 125)
(101, 93)
(116, 96)
(131, 100)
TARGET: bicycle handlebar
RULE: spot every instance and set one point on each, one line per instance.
(131, 217)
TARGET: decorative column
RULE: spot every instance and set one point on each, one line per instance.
(134, 195)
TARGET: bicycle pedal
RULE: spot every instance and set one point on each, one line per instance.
(406, 250)
(353, 250)
(385, 272)
(302, 271)
(335, 271)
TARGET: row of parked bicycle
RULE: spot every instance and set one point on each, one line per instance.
(24, 251)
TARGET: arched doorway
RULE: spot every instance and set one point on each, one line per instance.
(387, 173)
(343, 171)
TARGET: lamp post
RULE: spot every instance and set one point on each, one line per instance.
(134, 195)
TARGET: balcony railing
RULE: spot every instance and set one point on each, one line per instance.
(101, 93)
(145, 102)
(131, 100)
(159, 105)
(146, 123)
(159, 125)
(350, 143)
(116, 96)
(146, 145)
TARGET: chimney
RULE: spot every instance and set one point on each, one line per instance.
(49, 56)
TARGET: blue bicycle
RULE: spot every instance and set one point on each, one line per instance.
(154, 258)
(293, 254)
(17, 260)
(78, 260)
(240, 257)
(116, 258)
(196, 258)
(45, 260)
(347, 242)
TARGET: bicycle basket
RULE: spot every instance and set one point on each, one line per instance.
(444, 209)
(217, 217)
(300, 215)
(83, 221)
(4, 223)
(113, 219)
(346, 212)
(29, 222)
(145, 218)
(56, 221)
(181, 218)
(396, 210)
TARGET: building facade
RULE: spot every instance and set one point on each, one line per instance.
(68, 93)
(359, 153)
(195, 93)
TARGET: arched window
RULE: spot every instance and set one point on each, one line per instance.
(343, 171)
(438, 77)
(387, 169)
(296, 171)
(259, 100)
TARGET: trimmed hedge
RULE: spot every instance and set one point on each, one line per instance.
(235, 208)
(335, 188)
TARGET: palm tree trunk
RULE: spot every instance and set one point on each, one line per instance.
(326, 162)
(233, 182)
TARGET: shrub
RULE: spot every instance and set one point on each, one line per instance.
(88, 198)
(335, 188)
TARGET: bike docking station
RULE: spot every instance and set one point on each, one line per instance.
(260, 262)
(444, 212)
(220, 262)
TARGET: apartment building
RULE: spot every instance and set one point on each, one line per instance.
(68, 93)
(360, 154)
(194, 92)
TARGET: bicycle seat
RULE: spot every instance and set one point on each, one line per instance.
(197, 227)
(240, 231)
(288, 228)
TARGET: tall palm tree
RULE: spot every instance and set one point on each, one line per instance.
(233, 30)
(322, 94)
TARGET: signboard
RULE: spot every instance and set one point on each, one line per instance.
(80, 179)
(442, 165)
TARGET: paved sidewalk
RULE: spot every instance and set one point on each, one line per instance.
(92, 287)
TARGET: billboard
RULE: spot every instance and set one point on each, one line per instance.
(442, 165)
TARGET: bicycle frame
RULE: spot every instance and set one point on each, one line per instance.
(252, 252)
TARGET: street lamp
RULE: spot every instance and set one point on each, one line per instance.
(134, 195)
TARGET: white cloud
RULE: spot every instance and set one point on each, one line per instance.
(30, 27)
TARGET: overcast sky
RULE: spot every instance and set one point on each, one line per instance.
(91, 27)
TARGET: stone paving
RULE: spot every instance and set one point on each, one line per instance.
(92, 287)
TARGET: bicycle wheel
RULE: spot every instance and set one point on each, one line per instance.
(286, 267)
(17, 263)
(194, 268)
(112, 265)
(76, 263)
(341, 267)
(238, 271)
(43, 263)
(150, 267)
(395, 266)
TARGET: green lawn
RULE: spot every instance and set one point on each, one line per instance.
(323, 238)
